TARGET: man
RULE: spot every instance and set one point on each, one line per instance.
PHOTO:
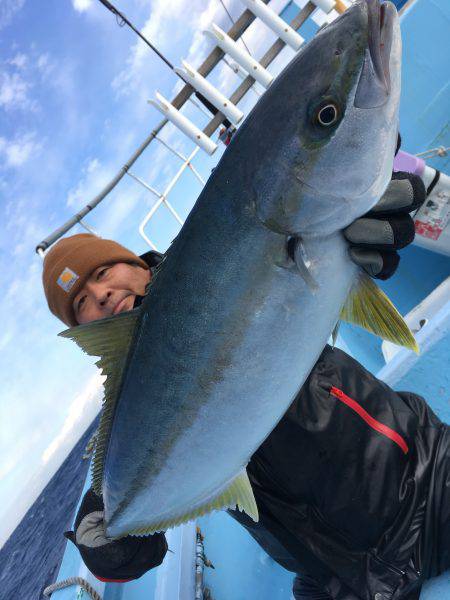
(351, 483)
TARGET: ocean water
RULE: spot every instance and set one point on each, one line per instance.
(30, 559)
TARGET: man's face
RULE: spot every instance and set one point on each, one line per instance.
(110, 290)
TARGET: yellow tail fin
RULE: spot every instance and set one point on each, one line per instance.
(370, 308)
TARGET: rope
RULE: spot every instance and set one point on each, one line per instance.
(439, 151)
(84, 585)
(233, 21)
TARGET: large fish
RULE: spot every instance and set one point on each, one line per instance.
(253, 285)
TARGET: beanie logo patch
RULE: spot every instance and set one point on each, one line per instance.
(67, 279)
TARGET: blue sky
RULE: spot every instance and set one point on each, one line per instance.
(73, 107)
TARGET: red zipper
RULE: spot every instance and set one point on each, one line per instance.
(383, 429)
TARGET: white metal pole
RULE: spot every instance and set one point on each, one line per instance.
(169, 147)
(144, 184)
(211, 93)
(275, 23)
(180, 172)
(160, 196)
(163, 199)
(174, 212)
(142, 229)
(252, 66)
(200, 107)
(88, 227)
(183, 124)
(197, 174)
(183, 158)
(325, 5)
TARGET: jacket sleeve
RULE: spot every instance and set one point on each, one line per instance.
(118, 560)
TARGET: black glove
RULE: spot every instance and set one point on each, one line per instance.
(375, 237)
(113, 560)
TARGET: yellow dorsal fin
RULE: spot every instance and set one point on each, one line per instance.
(370, 308)
(238, 493)
(110, 339)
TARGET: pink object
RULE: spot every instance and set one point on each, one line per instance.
(431, 232)
(408, 162)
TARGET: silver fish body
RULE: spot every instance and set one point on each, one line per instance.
(251, 288)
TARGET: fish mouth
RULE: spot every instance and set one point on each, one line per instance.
(374, 84)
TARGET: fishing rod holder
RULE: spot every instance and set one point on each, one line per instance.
(248, 63)
(276, 23)
(183, 123)
(211, 93)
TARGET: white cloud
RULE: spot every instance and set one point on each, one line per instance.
(18, 151)
(43, 61)
(25, 283)
(200, 43)
(13, 458)
(19, 60)
(27, 463)
(161, 24)
(14, 92)
(81, 413)
(82, 5)
(168, 24)
(30, 229)
(8, 465)
(5, 338)
(95, 176)
(8, 9)
(45, 65)
(93, 165)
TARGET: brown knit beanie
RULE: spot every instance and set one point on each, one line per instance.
(69, 263)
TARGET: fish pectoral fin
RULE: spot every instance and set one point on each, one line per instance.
(369, 307)
(110, 339)
(105, 337)
(335, 333)
(303, 265)
(239, 493)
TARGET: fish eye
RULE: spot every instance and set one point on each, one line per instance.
(327, 115)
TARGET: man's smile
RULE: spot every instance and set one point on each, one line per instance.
(121, 305)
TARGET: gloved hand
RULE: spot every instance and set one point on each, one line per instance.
(375, 237)
(113, 560)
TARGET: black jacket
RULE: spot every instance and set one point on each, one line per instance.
(351, 484)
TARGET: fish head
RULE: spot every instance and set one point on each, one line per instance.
(333, 119)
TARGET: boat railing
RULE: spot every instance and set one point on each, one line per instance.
(245, 66)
